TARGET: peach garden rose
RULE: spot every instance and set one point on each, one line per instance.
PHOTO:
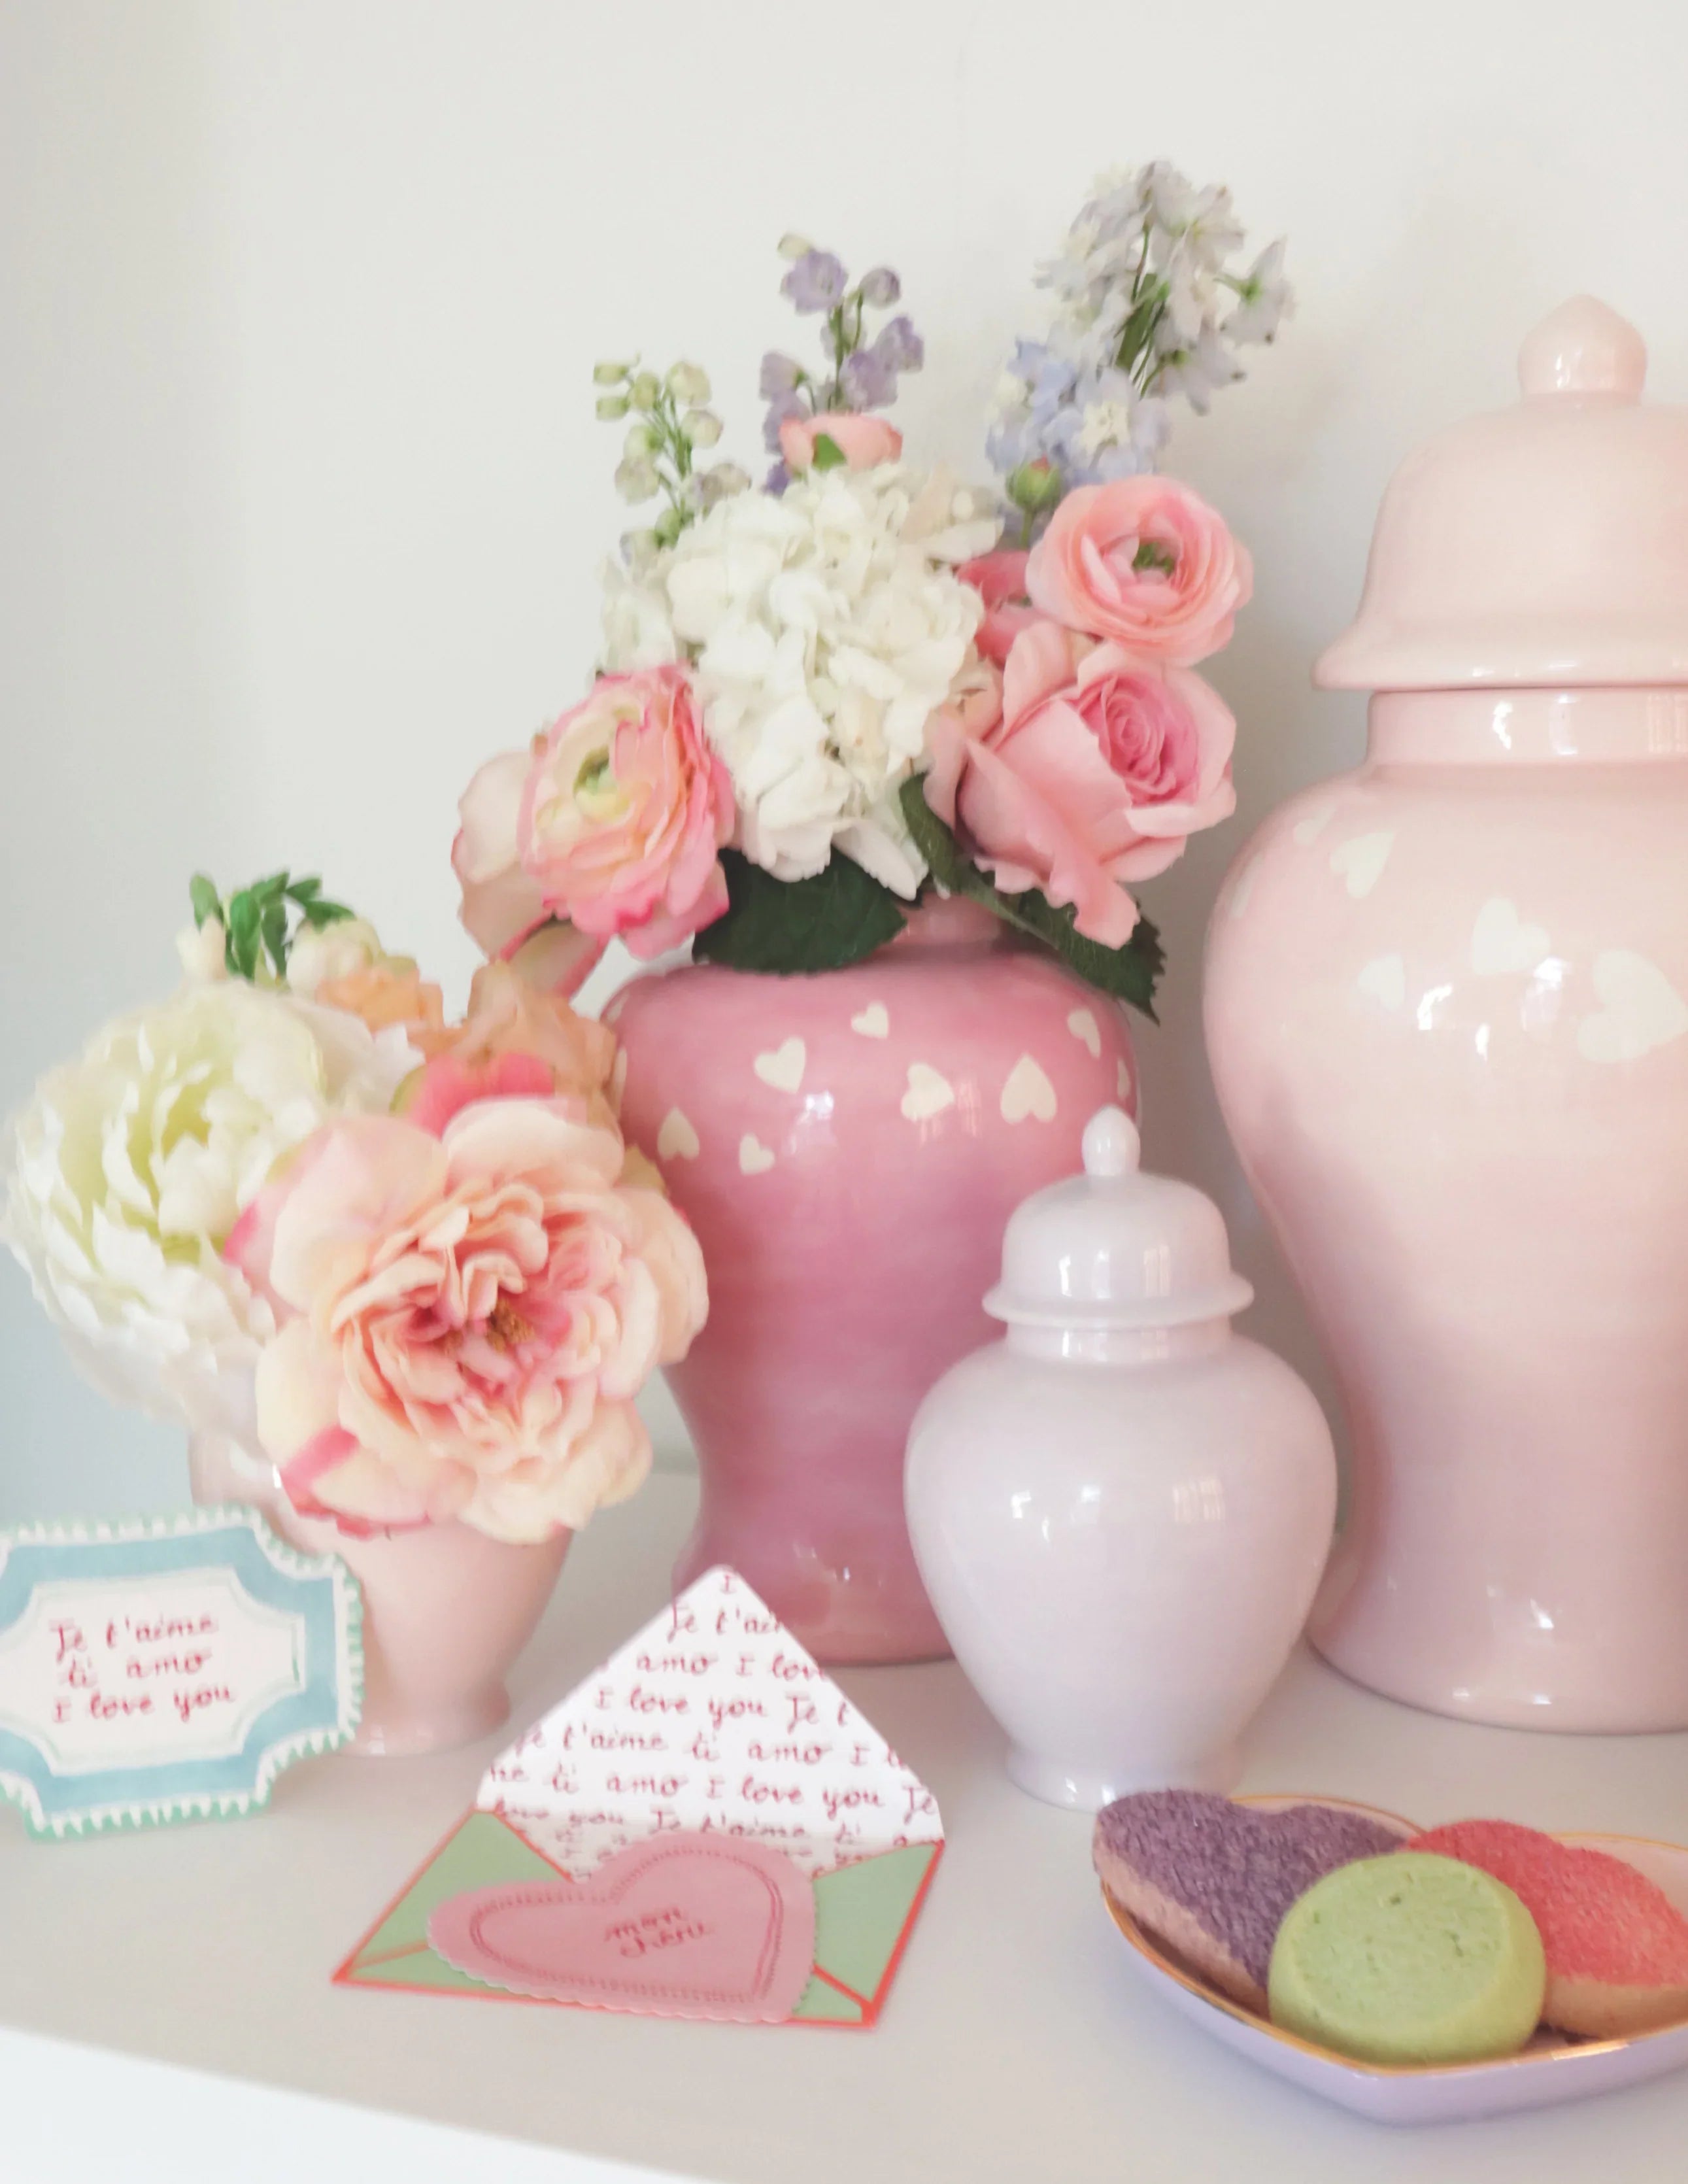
(1143, 562)
(465, 1319)
(1098, 769)
(510, 1018)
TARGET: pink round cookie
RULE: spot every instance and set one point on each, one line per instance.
(1617, 1948)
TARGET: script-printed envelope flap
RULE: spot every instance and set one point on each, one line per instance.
(713, 1717)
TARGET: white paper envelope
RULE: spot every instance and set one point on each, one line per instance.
(711, 1728)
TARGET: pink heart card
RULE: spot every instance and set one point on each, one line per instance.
(678, 1925)
(705, 1826)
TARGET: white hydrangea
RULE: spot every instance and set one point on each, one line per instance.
(126, 1169)
(823, 627)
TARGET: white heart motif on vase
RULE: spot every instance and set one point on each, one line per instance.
(754, 1157)
(1384, 980)
(677, 1140)
(873, 1022)
(1083, 1026)
(784, 1069)
(1642, 1010)
(1501, 943)
(929, 1093)
(1360, 860)
(1305, 832)
(1027, 1092)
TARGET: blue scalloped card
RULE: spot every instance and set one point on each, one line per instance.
(168, 1668)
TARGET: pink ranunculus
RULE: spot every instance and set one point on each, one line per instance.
(1143, 562)
(999, 580)
(465, 1319)
(502, 911)
(863, 441)
(1100, 768)
(624, 810)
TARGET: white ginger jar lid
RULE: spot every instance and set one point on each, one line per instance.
(1115, 1248)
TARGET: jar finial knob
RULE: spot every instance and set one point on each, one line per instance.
(1583, 347)
(1112, 1145)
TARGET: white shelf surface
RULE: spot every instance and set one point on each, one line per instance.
(1017, 2046)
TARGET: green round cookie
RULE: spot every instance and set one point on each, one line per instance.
(1409, 1958)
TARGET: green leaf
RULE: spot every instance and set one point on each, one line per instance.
(207, 902)
(302, 891)
(242, 950)
(274, 926)
(320, 911)
(271, 890)
(839, 916)
(1138, 330)
(1128, 973)
(828, 454)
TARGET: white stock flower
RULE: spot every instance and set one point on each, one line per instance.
(824, 629)
(335, 951)
(126, 1171)
(203, 951)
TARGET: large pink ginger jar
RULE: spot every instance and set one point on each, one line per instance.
(446, 1609)
(1447, 1011)
(848, 1147)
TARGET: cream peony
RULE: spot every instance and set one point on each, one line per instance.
(126, 1170)
(823, 628)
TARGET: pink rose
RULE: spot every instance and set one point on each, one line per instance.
(464, 1320)
(1142, 560)
(999, 580)
(1099, 769)
(502, 911)
(624, 809)
(862, 441)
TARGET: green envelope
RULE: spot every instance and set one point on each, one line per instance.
(863, 1914)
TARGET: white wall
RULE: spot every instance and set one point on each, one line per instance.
(301, 495)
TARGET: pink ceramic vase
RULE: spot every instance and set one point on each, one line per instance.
(1447, 1011)
(848, 1147)
(446, 1610)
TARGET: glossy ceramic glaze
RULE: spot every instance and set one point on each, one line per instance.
(1447, 1013)
(846, 1147)
(1550, 2070)
(1121, 1509)
(446, 1610)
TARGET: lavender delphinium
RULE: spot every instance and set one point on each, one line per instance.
(1150, 307)
(858, 374)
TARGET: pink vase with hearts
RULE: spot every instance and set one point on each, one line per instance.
(1447, 1011)
(848, 1147)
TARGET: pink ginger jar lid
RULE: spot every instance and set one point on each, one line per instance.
(1542, 545)
(1115, 1248)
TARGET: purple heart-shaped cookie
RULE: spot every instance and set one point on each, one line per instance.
(1214, 1879)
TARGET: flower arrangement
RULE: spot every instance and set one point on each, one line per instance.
(819, 699)
(411, 1261)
